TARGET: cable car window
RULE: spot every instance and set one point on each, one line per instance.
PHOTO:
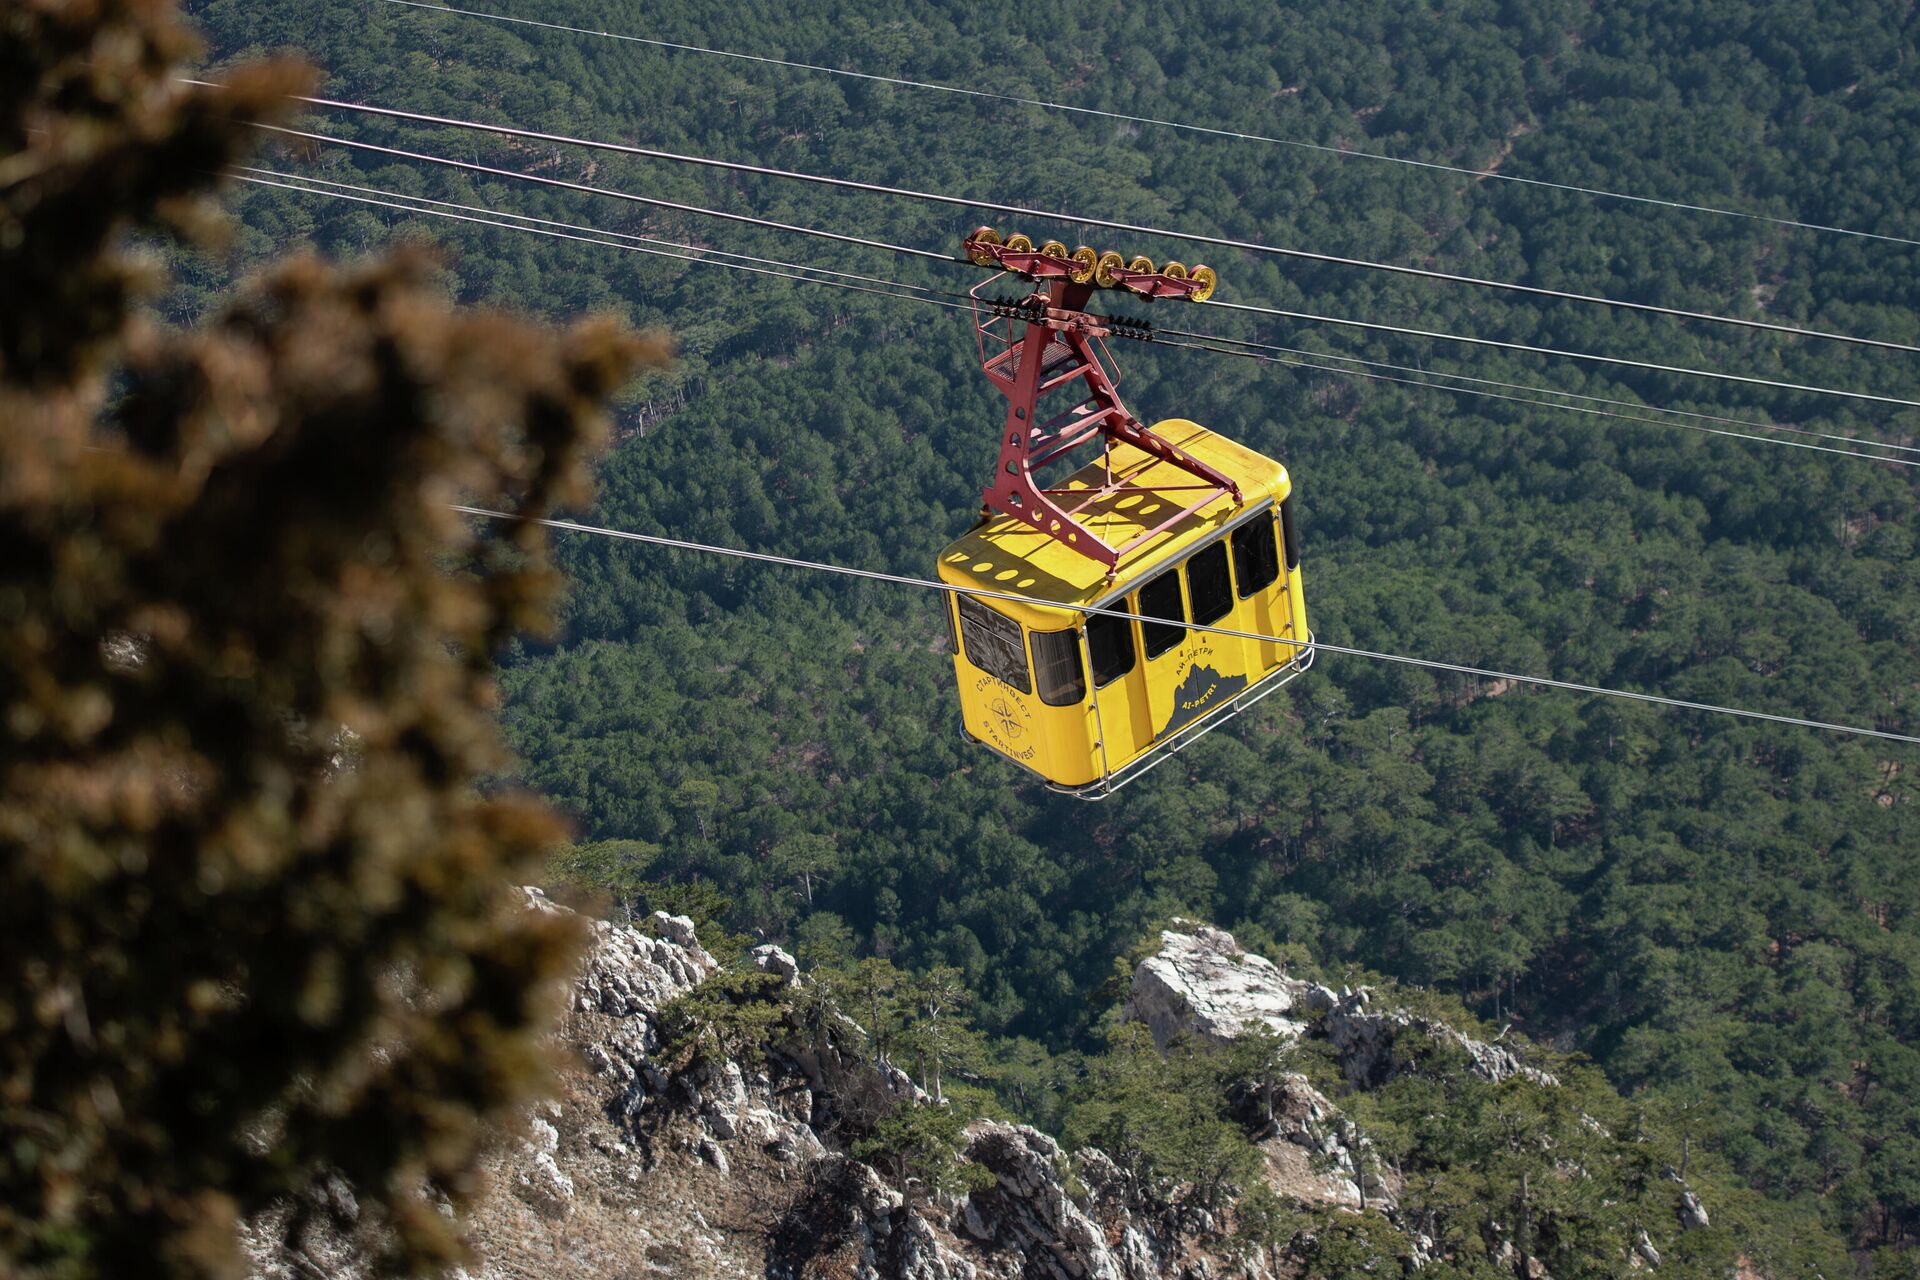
(1293, 539)
(992, 644)
(1056, 667)
(1256, 561)
(1208, 586)
(1161, 599)
(1110, 642)
(953, 637)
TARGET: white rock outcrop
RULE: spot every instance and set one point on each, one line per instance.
(1315, 1154)
(1201, 982)
(745, 1122)
(546, 1186)
(768, 958)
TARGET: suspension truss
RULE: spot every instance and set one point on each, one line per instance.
(1047, 350)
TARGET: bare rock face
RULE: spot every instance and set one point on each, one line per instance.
(546, 1187)
(1028, 1209)
(629, 972)
(1201, 982)
(1365, 1043)
(1692, 1214)
(775, 960)
(1316, 1155)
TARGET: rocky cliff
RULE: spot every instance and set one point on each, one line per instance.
(734, 1167)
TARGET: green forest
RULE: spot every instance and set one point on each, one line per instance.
(1721, 915)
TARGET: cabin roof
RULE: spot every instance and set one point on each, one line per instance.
(1005, 554)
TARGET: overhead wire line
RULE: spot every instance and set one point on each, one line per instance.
(1213, 131)
(1262, 356)
(484, 216)
(1161, 334)
(912, 251)
(1563, 353)
(928, 584)
(654, 201)
(694, 255)
(1250, 246)
(623, 235)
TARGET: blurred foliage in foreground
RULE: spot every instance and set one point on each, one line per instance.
(254, 918)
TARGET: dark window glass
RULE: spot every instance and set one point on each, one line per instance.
(1293, 539)
(1208, 589)
(953, 637)
(1056, 667)
(1110, 641)
(992, 643)
(1161, 599)
(1256, 561)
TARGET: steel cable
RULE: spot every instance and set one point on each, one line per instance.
(1250, 246)
(612, 193)
(1171, 338)
(593, 237)
(654, 201)
(1213, 131)
(1546, 404)
(1160, 335)
(623, 235)
(1563, 354)
(927, 584)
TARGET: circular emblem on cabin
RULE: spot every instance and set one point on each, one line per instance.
(1002, 717)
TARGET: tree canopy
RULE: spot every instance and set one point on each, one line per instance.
(1721, 913)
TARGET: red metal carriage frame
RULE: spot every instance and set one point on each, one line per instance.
(1062, 350)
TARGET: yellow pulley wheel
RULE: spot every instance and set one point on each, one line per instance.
(1086, 260)
(983, 235)
(1204, 277)
(1104, 267)
(1017, 243)
(1054, 249)
(1174, 271)
(1142, 265)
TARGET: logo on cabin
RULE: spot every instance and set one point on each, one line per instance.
(1003, 717)
(1201, 689)
(1006, 718)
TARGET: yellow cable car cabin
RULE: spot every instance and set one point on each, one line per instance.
(1088, 701)
(1169, 529)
